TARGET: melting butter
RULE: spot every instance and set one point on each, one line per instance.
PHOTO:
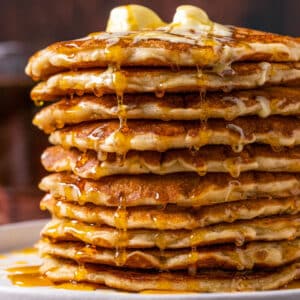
(187, 18)
(131, 18)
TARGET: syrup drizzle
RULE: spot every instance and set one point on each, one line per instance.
(27, 276)
(114, 56)
(30, 276)
(121, 219)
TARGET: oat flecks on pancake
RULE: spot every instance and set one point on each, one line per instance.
(182, 189)
(263, 103)
(106, 136)
(240, 232)
(207, 159)
(172, 217)
(60, 270)
(99, 82)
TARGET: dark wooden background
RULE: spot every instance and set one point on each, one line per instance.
(26, 26)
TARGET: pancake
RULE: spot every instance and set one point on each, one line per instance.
(239, 232)
(207, 159)
(172, 216)
(188, 98)
(59, 270)
(163, 48)
(141, 80)
(263, 103)
(252, 255)
(182, 189)
(160, 136)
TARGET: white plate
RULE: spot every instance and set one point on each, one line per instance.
(21, 235)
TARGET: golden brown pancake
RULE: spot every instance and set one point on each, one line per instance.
(100, 82)
(263, 229)
(183, 99)
(186, 189)
(263, 103)
(163, 48)
(60, 270)
(160, 136)
(252, 255)
(207, 159)
(171, 216)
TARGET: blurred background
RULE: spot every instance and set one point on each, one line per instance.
(27, 26)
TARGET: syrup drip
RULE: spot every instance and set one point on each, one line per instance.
(98, 92)
(205, 110)
(102, 156)
(160, 224)
(232, 185)
(122, 141)
(82, 160)
(80, 273)
(120, 84)
(114, 55)
(71, 192)
(120, 218)
(160, 91)
(196, 237)
(86, 250)
(274, 141)
(204, 136)
(202, 170)
(237, 142)
(200, 80)
(238, 108)
(233, 166)
(193, 259)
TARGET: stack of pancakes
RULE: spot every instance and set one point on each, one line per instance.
(175, 157)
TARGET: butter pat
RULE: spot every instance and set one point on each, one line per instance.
(187, 20)
(192, 18)
(132, 18)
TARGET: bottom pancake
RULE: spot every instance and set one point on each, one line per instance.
(255, 254)
(60, 270)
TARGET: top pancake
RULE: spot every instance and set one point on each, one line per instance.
(161, 80)
(163, 47)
